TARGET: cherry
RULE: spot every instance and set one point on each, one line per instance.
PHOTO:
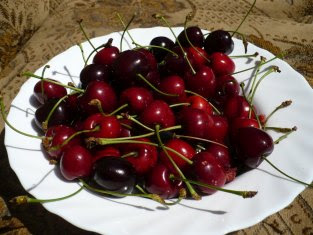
(252, 144)
(145, 155)
(104, 151)
(197, 56)
(128, 64)
(219, 41)
(227, 86)
(237, 107)
(158, 113)
(107, 55)
(152, 63)
(158, 182)
(194, 35)
(174, 85)
(153, 77)
(94, 72)
(203, 82)
(176, 64)
(238, 123)
(103, 92)
(114, 174)
(207, 170)
(219, 130)
(45, 90)
(181, 147)
(109, 126)
(221, 154)
(138, 98)
(198, 102)
(76, 162)
(161, 42)
(221, 64)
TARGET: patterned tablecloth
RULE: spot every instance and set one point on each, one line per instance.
(32, 32)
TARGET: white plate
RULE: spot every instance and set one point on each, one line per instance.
(216, 214)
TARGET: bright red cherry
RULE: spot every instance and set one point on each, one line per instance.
(219, 130)
(137, 98)
(221, 154)
(45, 90)
(237, 107)
(107, 55)
(221, 64)
(105, 151)
(173, 85)
(238, 123)
(197, 56)
(198, 102)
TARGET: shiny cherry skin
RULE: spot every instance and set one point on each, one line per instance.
(75, 163)
(238, 123)
(195, 122)
(146, 155)
(137, 98)
(107, 55)
(153, 76)
(103, 92)
(227, 86)
(237, 107)
(114, 174)
(219, 130)
(127, 65)
(221, 154)
(219, 41)
(197, 56)
(203, 82)
(198, 102)
(158, 113)
(45, 90)
(161, 42)
(194, 35)
(93, 72)
(183, 148)
(152, 63)
(55, 136)
(252, 144)
(158, 182)
(176, 64)
(104, 151)
(221, 64)
(109, 126)
(206, 169)
(175, 85)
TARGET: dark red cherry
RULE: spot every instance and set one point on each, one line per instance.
(158, 113)
(221, 154)
(128, 65)
(237, 107)
(145, 157)
(203, 82)
(197, 56)
(105, 151)
(45, 90)
(207, 170)
(252, 144)
(103, 92)
(153, 77)
(158, 182)
(181, 147)
(174, 85)
(219, 41)
(107, 55)
(93, 72)
(238, 123)
(152, 63)
(219, 130)
(137, 98)
(161, 42)
(195, 36)
(76, 162)
(198, 102)
(227, 86)
(114, 174)
(176, 64)
(221, 64)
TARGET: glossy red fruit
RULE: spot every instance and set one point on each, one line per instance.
(76, 162)
(104, 151)
(181, 147)
(161, 42)
(238, 123)
(101, 91)
(174, 85)
(158, 182)
(152, 63)
(158, 113)
(137, 98)
(219, 130)
(176, 64)
(227, 86)
(221, 154)
(221, 64)
(45, 90)
(94, 72)
(237, 107)
(146, 155)
(203, 82)
(107, 55)
(207, 170)
(195, 36)
(219, 40)
(110, 126)
(198, 102)
(197, 56)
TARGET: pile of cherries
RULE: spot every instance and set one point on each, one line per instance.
(160, 117)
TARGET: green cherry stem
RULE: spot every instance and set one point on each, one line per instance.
(281, 106)
(4, 117)
(82, 52)
(92, 52)
(258, 67)
(285, 135)
(200, 139)
(19, 200)
(97, 103)
(84, 32)
(130, 154)
(118, 109)
(42, 76)
(244, 194)
(288, 176)
(279, 129)
(159, 47)
(137, 122)
(244, 56)
(179, 104)
(29, 74)
(126, 30)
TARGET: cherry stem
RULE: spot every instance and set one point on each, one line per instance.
(281, 106)
(279, 129)
(288, 176)
(200, 139)
(189, 186)
(118, 109)
(130, 154)
(285, 135)
(84, 32)
(157, 16)
(243, 38)
(244, 56)
(97, 103)
(244, 194)
(82, 52)
(42, 75)
(19, 200)
(243, 20)
(154, 88)
(4, 117)
(179, 104)
(258, 67)
(154, 197)
(159, 47)
(137, 122)
(45, 123)
(93, 51)
(29, 74)
(126, 29)
(194, 93)
(182, 195)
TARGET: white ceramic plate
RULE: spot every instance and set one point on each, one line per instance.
(216, 214)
